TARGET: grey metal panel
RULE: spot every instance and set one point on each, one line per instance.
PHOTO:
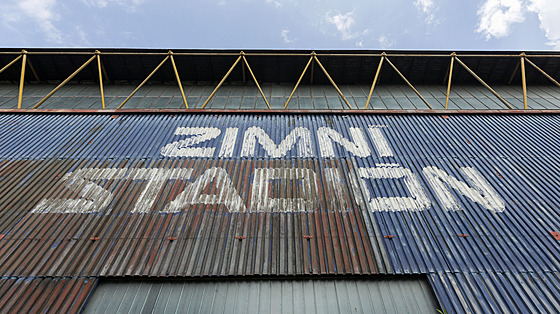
(306, 97)
(264, 296)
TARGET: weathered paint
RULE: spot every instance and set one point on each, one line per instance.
(319, 200)
(45, 295)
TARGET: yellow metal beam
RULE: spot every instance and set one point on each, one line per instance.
(22, 78)
(332, 81)
(483, 83)
(64, 82)
(143, 82)
(407, 82)
(222, 81)
(9, 64)
(256, 82)
(100, 78)
(178, 79)
(543, 72)
(449, 79)
(523, 80)
(299, 80)
(375, 78)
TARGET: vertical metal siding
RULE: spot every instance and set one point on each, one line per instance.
(264, 296)
(44, 295)
(497, 292)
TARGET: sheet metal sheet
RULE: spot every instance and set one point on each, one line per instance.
(314, 97)
(198, 195)
(264, 296)
(491, 292)
(44, 295)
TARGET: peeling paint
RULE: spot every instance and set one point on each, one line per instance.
(481, 192)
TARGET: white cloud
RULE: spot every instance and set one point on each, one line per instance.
(128, 4)
(284, 35)
(429, 9)
(497, 16)
(385, 42)
(548, 12)
(275, 3)
(343, 23)
(40, 12)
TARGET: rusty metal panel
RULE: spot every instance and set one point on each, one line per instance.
(274, 195)
(115, 218)
(44, 295)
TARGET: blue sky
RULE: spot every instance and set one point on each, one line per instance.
(286, 24)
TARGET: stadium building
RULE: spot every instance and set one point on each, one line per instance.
(216, 181)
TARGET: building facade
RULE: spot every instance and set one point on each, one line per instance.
(279, 181)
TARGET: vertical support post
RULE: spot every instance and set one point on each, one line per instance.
(100, 78)
(449, 80)
(524, 80)
(22, 77)
(375, 79)
(254, 78)
(299, 80)
(178, 79)
(223, 80)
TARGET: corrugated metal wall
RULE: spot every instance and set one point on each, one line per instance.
(44, 295)
(195, 195)
(264, 296)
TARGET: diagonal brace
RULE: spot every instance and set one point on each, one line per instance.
(254, 78)
(375, 79)
(178, 79)
(331, 80)
(143, 82)
(9, 64)
(299, 80)
(222, 81)
(542, 72)
(449, 79)
(407, 82)
(64, 82)
(482, 82)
